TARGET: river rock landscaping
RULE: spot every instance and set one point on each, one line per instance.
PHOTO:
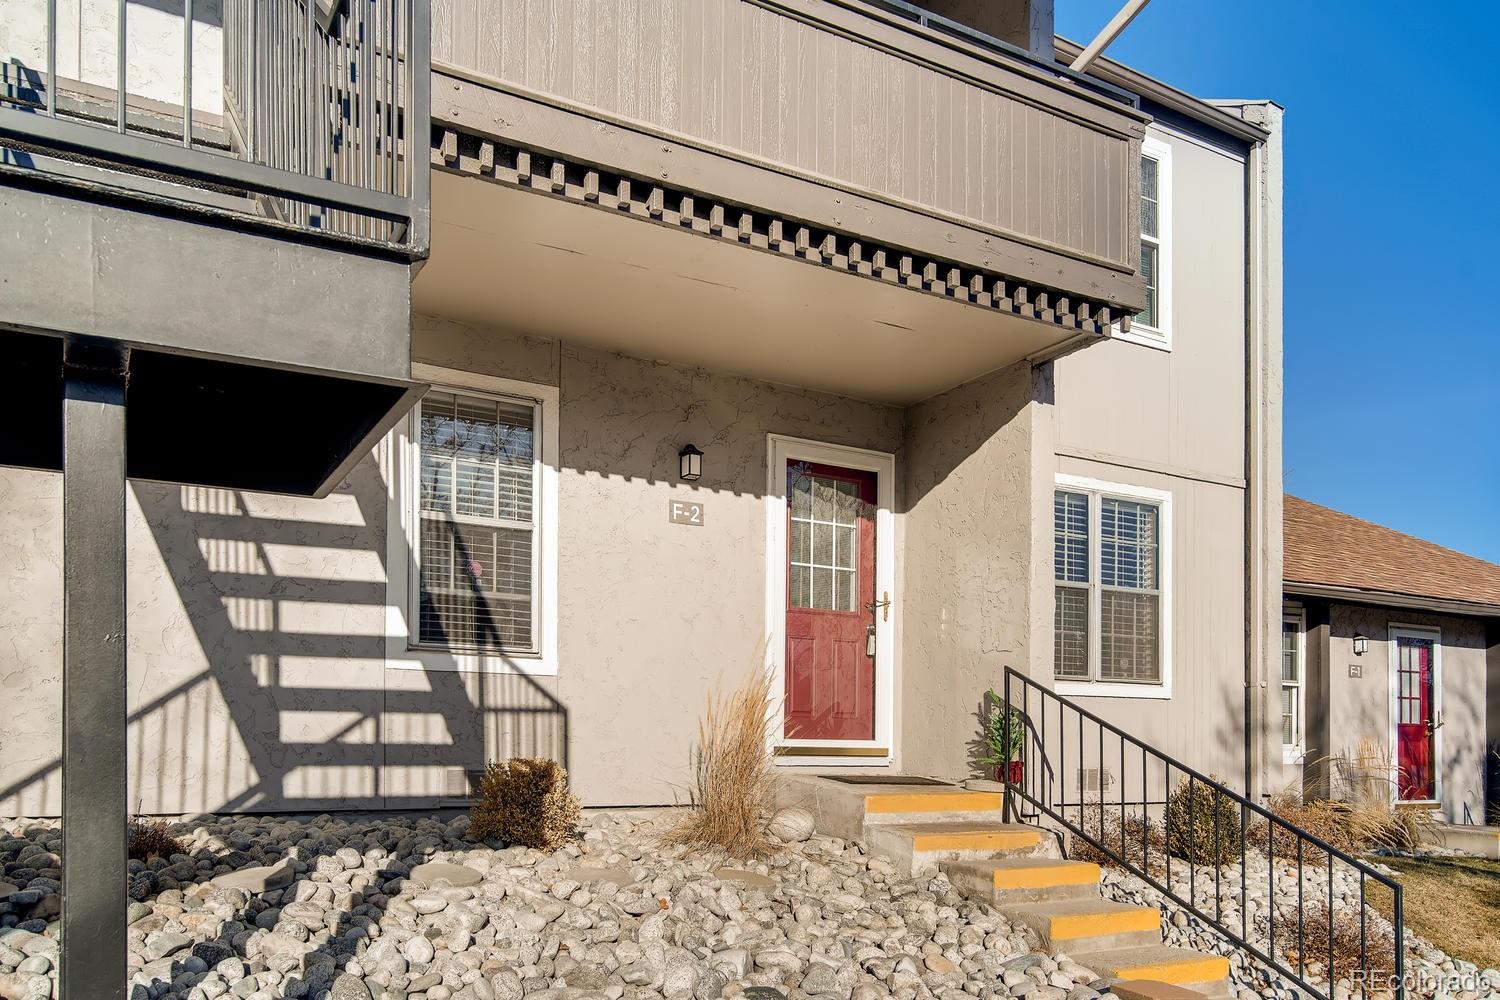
(355, 908)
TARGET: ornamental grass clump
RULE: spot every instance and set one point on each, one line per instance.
(152, 838)
(525, 801)
(1202, 824)
(733, 773)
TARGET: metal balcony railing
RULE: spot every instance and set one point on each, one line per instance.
(302, 114)
(1311, 912)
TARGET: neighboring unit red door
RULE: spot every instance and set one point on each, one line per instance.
(830, 668)
(1414, 718)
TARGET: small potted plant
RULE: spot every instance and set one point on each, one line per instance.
(1004, 733)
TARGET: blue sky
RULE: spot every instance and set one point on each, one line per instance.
(1392, 230)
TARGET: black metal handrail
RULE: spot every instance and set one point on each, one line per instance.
(1055, 727)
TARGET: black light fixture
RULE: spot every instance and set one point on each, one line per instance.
(689, 464)
(1360, 644)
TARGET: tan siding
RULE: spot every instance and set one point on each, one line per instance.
(1208, 627)
(795, 93)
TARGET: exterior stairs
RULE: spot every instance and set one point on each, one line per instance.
(1018, 869)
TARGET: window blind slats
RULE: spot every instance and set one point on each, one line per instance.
(476, 522)
(1107, 614)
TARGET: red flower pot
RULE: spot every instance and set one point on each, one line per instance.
(1014, 772)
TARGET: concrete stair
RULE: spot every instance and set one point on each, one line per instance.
(1018, 869)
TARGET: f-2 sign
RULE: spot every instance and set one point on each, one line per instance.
(685, 512)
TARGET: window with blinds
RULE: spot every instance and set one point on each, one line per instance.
(1070, 512)
(477, 524)
(1107, 553)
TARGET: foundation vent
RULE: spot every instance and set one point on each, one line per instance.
(1093, 779)
(461, 783)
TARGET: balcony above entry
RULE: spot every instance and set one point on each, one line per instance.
(862, 202)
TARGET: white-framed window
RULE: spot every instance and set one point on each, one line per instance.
(1293, 685)
(473, 551)
(476, 530)
(1112, 589)
(1153, 324)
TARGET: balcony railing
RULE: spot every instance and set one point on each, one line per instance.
(296, 113)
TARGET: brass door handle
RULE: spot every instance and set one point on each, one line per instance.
(884, 606)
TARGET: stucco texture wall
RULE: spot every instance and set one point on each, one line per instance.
(1359, 709)
(257, 658)
(969, 511)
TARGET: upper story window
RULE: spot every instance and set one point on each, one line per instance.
(1152, 325)
(1151, 239)
(1111, 565)
(476, 528)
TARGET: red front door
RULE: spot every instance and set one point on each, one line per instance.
(1414, 718)
(830, 666)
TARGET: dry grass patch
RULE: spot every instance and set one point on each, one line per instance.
(1454, 903)
(733, 773)
(152, 838)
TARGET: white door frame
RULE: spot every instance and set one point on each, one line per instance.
(880, 751)
(1435, 636)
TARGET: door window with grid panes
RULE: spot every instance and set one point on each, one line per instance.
(1109, 595)
(477, 524)
(824, 560)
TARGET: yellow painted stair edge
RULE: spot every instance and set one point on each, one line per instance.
(1047, 876)
(976, 840)
(933, 802)
(1191, 969)
(1066, 926)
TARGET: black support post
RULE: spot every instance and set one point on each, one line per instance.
(94, 759)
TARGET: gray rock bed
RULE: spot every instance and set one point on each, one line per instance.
(338, 907)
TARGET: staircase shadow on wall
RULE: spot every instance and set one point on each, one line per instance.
(258, 678)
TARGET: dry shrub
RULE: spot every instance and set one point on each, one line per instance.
(1375, 817)
(1360, 813)
(733, 773)
(525, 801)
(1328, 821)
(1379, 944)
(1202, 824)
(151, 838)
(1143, 843)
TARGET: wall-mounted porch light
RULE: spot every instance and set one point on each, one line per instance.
(1360, 644)
(689, 464)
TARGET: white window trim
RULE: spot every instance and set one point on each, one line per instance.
(1160, 335)
(1398, 630)
(779, 449)
(1116, 689)
(399, 465)
(1292, 753)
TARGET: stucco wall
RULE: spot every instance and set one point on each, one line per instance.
(258, 678)
(968, 562)
(1359, 707)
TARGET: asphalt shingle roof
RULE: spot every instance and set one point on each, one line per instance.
(1331, 548)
